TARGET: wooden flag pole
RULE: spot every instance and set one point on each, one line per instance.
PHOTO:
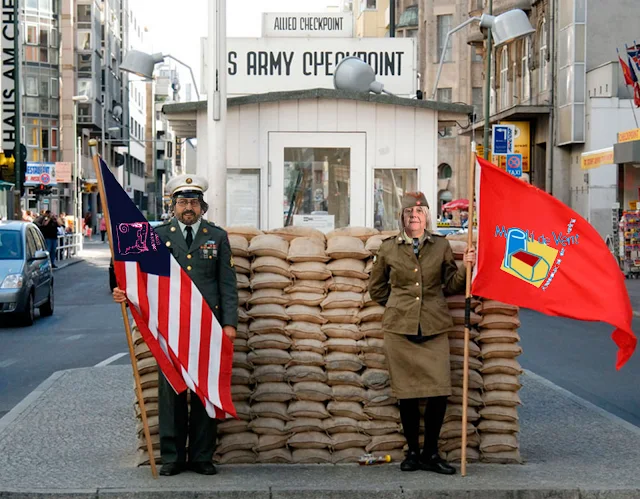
(125, 316)
(467, 314)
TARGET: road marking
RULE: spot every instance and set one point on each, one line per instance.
(7, 363)
(73, 337)
(110, 360)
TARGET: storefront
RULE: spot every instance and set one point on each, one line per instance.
(322, 157)
(626, 154)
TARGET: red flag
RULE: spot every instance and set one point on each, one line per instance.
(626, 71)
(537, 253)
(636, 94)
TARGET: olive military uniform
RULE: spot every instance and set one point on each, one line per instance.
(209, 263)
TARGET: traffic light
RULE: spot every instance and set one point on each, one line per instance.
(42, 190)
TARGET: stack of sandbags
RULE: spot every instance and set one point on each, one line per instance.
(498, 341)
(148, 371)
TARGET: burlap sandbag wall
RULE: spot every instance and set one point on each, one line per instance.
(310, 382)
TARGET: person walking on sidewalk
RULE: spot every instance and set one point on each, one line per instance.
(48, 225)
(411, 273)
(202, 249)
(103, 227)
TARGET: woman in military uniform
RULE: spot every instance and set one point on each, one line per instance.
(411, 275)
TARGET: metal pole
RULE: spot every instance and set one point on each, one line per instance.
(392, 18)
(78, 223)
(487, 88)
(17, 153)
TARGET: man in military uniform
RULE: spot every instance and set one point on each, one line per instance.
(202, 249)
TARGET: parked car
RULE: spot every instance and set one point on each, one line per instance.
(26, 276)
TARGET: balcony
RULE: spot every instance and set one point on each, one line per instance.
(163, 165)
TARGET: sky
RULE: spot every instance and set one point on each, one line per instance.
(176, 27)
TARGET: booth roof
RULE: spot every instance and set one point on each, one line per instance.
(321, 93)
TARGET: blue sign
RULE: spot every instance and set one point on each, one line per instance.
(514, 164)
(502, 140)
(40, 173)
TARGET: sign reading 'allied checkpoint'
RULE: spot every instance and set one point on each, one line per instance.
(259, 65)
(325, 25)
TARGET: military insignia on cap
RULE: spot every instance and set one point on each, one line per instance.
(418, 203)
(189, 180)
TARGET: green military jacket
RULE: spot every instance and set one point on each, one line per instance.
(209, 263)
(412, 288)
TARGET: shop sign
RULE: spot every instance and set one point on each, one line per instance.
(594, 159)
(41, 173)
(63, 172)
(629, 135)
(260, 65)
(324, 223)
(521, 145)
(278, 24)
(8, 81)
(502, 137)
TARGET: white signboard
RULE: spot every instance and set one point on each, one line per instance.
(278, 24)
(243, 198)
(324, 223)
(260, 65)
(40, 173)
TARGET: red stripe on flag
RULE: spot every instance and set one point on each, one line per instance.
(121, 274)
(205, 343)
(164, 284)
(185, 319)
(224, 380)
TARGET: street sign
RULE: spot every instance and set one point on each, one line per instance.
(514, 165)
(502, 140)
(40, 173)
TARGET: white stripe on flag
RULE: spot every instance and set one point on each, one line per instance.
(477, 212)
(152, 295)
(131, 275)
(174, 307)
(194, 333)
(215, 355)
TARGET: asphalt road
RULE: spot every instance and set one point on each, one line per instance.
(85, 329)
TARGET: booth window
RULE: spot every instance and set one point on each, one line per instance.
(389, 185)
(317, 182)
(243, 197)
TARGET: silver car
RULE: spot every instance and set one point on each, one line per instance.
(26, 276)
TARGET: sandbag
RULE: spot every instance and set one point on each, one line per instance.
(271, 264)
(243, 296)
(376, 428)
(236, 441)
(494, 442)
(248, 232)
(506, 382)
(242, 331)
(301, 358)
(474, 397)
(350, 455)
(383, 396)
(384, 413)
(266, 356)
(243, 410)
(473, 441)
(500, 350)
(268, 295)
(498, 336)
(301, 425)
(505, 457)
(240, 360)
(456, 347)
(348, 393)
(342, 299)
(457, 362)
(307, 249)
(307, 286)
(300, 330)
(456, 332)
(267, 426)
(311, 456)
(342, 283)
(240, 376)
(362, 233)
(348, 331)
(453, 429)
(242, 281)
(147, 365)
(307, 409)
(268, 443)
(372, 345)
(344, 378)
(457, 314)
(267, 326)
(264, 280)
(232, 426)
(271, 340)
(292, 232)
(305, 345)
(269, 245)
(341, 315)
(371, 314)
(386, 442)
(270, 410)
(272, 392)
(492, 426)
(343, 441)
(460, 301)
(339, 361)
(305, 313)
(239, 246)
(501, 366)
(454, 413)
(475, 379)
(343, 247)
(237, 457)
(375, 378)
(348, 267)
(272, 373)
(314, 271)
(341, 345)
(351, 410)
(340, 425)
(374, 360)
(312, 390)
(296, 374)
(275, 456)
(499, 321)
(270, 311)
(502, 398)
(367, 301)
(242, 265)
(499, 413)
(243, 316)
(309, 299)
(455, 456)
(374, 242)
(495, 307)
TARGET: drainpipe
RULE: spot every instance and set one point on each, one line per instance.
(552, 61)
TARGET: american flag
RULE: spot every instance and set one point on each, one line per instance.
(175, 321)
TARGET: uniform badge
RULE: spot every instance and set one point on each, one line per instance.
(208, 250)
(231, 261)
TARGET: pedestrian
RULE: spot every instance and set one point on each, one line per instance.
(88, 220)
(202, 249)
(48, 225)
(411, 274)
(103, 227)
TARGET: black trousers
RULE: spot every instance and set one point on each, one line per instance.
(433, 419)
(176, 423)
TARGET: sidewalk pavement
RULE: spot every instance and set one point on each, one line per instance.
(74, 437)
(633, 288)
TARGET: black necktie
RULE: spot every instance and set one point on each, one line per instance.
(189, 238)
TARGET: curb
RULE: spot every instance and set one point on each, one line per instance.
(69, 264)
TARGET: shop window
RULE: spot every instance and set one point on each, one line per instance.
(444, 26)
(389, 187)
(445, 171)
(317, 182)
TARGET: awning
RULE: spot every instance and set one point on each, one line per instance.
(458, 204)
(515, 113)
(626, 152)
(5, 186)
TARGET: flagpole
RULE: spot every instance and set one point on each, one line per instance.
(627, 86)
(467, 314)
(93, 144)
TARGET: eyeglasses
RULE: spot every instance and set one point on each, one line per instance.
(186, 202)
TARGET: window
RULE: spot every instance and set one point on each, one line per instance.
(368, 5)
(85, 65)
(492, 94)
(84, 13)
(444, 94)
(84, 40)
(32, 4)
(44, 55)
(389, 185)
(445, 171)
(32, 34)
(526, 84)
(44, 36)
(505, 97)
(32, 137)
(85, 88)
(477, 101)
(32, 86)
(44, 138)
(476, 55)
(54, 138)
(44, 106)
(55, 88)
(316, 182)
(46, 5)
(31, 105)
(543, 67)
(54, 37)
(44, 87)
(31, 54)
(444, 26)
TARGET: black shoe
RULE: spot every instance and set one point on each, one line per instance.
(203, 468)
(170, 469)
(411, 462)
(436, 464)
(54, 266)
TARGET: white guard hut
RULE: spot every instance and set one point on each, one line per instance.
(323, 158)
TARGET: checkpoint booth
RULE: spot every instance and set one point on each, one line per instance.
(322, 158)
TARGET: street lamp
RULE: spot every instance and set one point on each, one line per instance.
(504, 28)
(355, 75)
(77, 197)
(142, 64)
